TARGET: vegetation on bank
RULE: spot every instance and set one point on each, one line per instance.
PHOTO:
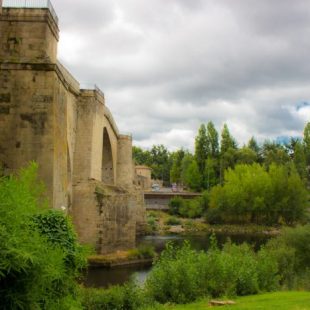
(142, 253)
(40, 258)
(162, 223)
(182, 275)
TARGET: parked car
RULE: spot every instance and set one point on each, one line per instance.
(155, 188)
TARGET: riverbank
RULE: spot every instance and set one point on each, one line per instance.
(268, 301)
(162, 223)
(142, 256)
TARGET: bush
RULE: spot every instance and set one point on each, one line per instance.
(292, 251)
(182, 275)
(175, 204)
(152, 219)
(59, 231)
(192, 208)
(33, 270)
(143, 251)
(128, 296)
(172, 221)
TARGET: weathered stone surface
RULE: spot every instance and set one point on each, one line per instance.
(44, 116)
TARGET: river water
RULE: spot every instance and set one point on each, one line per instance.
(104, 277)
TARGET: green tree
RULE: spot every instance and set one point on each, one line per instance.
(246, 155)
(274, 153)
(176, 169)
(201, 148)
(253, 145)
(306, 142)
(213, 140)
(140, 156)
(160, 163)
(227, 141)
(193, 177)
(300, 160)
(210, 173)
(186, 161)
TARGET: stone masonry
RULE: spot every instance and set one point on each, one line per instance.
(84, 161)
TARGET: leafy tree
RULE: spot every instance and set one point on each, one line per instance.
(300, 160)
(227, 141)
(201, 148)
(213, 140)
(253, 145)
(186, 161)
(306, 142)
(176, 169)
(193, 177)
(140, 156)
(210, 173)
(247, 155)
(274, 153)
(252, 194)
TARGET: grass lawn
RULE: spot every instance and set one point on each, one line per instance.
(269, 301)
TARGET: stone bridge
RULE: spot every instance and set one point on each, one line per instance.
(45, 116)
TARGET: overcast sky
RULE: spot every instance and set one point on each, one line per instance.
(166, 66)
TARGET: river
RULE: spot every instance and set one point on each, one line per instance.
(104, 277)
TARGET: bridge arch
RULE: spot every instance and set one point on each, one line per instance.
(107, 166)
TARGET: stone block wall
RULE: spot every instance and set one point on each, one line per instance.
(45, 117)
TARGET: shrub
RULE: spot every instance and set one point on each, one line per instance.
(33, 271)
(192, 208)
(172, 221)
(175, 204)
(58, 230)
(182, 275)
(152, 220)
(292, 251)
(174, 277)
(128, 296)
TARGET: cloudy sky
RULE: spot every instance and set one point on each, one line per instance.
(166, 66)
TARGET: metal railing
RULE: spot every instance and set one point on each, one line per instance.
(31, 4)
(92, 87)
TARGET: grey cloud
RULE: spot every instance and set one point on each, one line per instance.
(167, 65)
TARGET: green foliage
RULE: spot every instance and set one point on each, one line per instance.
(213, 140)
(193, 177)
(210, 176)
(182, 275)
(274, 153)
(33, 270)
(251, 194)
(201, 148)
(227, 141)
(152, 222)
(172, 220)
(59, 231)
(191, 208)
(128, 296)
(143, 251)
(176, 169)
(175, 204)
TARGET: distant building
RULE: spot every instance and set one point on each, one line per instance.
(143, 177)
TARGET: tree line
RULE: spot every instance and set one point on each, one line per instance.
(215, 153)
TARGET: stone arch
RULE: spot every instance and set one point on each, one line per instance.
(107, 168)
